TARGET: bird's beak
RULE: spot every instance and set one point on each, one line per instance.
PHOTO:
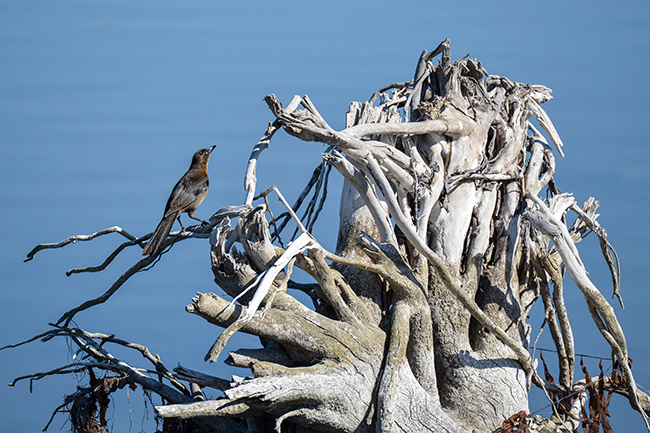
(212, 148)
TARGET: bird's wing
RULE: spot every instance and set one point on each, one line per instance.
(185, 193)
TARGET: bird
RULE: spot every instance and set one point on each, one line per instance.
(187, 195)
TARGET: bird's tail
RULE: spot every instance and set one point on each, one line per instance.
(159, 235)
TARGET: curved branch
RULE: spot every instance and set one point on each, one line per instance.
(84, 238)
(610, 257)
(142, 264)
(546, 124)
(250, 180)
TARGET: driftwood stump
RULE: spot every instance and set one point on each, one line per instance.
(451, 228)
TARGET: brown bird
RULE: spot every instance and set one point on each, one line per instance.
(187, 195)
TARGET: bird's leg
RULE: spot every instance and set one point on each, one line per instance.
(191, 215)
(198, 219)
(180, 222)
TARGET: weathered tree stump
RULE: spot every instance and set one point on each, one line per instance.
(444, 245)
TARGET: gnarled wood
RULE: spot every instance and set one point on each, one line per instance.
(420, 316)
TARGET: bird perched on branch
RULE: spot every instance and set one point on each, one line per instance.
(187, 195)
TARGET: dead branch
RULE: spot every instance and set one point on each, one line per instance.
(191, 232)
(547, 221)
(250, 181)
(83, 238)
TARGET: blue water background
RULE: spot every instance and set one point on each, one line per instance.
(102, 104)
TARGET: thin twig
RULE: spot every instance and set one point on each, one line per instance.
(108, 260)
(316, 175)
(82, 238)
(142, 264)
(375, 95)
